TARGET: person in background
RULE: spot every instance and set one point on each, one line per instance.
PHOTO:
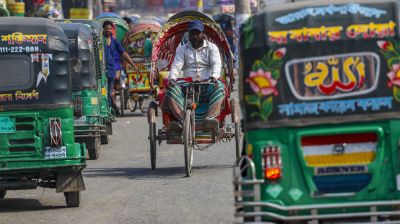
(113, 52)
(148, 45)
(128, 20)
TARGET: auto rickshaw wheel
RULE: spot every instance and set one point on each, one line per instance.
(93, 147)
(104, 139)
(188, 142)
(152, 137)
(236, 121)
(73, 199)
(109, 128)
(3, 194)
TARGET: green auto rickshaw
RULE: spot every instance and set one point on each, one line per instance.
(37, 147)
(320, 93)
(105, 111)
(89, 123)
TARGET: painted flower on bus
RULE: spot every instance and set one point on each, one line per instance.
(391, 52)
(262, 80)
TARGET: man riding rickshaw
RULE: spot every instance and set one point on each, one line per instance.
(194, 98)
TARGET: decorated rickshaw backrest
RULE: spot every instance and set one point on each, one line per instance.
(136, 37)
(313, 63)
(171, 34)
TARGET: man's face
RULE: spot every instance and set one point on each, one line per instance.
(196, 38)
(108, 31)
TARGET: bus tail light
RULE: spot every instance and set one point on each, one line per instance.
(272, 163)
(55, 132)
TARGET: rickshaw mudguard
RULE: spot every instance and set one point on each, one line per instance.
(313, 154)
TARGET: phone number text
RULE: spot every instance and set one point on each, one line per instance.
(19, 49)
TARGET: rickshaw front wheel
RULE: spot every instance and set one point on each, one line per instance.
(152, 137)
(188, 142)
(122, 101)
(236, 121)
(73, 199)
(3, 194)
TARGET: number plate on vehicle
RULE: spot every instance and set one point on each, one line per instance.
(55, 153)
(7, 125)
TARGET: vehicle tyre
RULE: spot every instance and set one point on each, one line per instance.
(3, 194)
(122, 101)
(93, 147)
(109, 128)
(152, 137)
(104, 139)
(141, 103)
(236, 121)
(188, 142)
(237, 141)
(73, 199)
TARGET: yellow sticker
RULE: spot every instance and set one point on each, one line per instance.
(94, 101)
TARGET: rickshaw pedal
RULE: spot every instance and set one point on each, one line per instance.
(175, 126)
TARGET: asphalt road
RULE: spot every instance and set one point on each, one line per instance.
(121, 187)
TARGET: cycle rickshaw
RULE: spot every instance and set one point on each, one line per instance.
(193, 134)
(138, 84)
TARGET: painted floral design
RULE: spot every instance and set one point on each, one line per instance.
(394, 76)
(391, 52)
(263, 80)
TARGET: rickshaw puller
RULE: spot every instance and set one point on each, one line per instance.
(200, 60)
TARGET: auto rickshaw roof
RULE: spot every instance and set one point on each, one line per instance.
(75, 30)
(93, 24)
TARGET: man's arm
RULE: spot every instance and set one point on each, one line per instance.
(122, 52)
(178, 63)
(216, 62)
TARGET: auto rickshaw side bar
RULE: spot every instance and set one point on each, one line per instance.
(37, 145)
(320, 99)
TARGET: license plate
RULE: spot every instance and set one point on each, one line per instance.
(7, 125)
(55, 153)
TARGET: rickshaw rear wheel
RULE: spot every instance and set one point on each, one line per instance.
(152, 137)
(73, 199)
(188, 142)
(93, 147)
(3, 194)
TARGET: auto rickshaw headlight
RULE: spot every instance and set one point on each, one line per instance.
(272, 163)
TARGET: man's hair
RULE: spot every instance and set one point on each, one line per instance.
(108, 23)
(127, 19)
